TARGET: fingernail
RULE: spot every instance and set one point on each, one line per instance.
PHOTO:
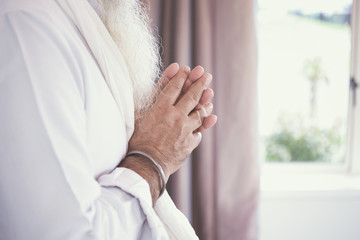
(208, 77)
(174, 64)
(187, 69)
(200, 68)
(209, 107)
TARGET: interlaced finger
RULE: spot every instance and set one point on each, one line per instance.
(207, 123)
(194, 75)
(168, 73)
(173, 89)
(197, 116)
(192, 97)
(207, 95)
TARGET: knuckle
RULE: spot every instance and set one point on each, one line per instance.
(203, 111)
(186, 130)
(203, 80)
(178, 118)
(194, 96)
(185, 70)
(176, 85)
(198, 114)
(198, 117)
(163, 97)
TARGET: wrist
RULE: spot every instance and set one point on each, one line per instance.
(156, 155)
(146, 170)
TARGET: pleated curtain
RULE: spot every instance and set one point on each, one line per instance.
(218, 187)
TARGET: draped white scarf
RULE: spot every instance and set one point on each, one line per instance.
(115, 72)
(107, 55)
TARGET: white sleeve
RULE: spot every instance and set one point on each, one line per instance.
(47, 190)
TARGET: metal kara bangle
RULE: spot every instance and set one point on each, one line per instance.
(159, 168)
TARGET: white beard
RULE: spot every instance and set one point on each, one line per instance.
(129, 26)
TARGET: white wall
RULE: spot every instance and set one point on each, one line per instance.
(310, 215)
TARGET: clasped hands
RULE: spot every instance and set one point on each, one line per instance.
(170, 130)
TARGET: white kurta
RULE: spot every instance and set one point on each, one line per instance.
(61, 138)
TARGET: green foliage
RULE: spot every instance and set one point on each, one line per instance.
(296, 141)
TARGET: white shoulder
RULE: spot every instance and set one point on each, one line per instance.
(38, 37)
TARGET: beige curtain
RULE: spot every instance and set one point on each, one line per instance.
(218, 189)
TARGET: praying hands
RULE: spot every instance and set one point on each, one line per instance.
(171, 129)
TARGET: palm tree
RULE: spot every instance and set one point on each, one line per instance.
(313, 71)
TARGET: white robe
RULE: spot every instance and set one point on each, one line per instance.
(62, 136)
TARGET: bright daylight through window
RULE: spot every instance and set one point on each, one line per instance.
(304, 69)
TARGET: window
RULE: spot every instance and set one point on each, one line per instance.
(304, 69)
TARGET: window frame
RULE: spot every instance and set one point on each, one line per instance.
(353, 153)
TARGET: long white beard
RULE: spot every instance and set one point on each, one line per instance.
(129, 26)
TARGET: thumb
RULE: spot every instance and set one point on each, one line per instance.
(168, 73)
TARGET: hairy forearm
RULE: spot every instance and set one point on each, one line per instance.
(147, 170)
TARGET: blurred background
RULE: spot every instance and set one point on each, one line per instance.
(283, 161)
